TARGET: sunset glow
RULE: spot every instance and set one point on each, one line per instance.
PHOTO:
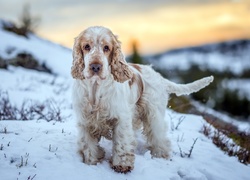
(156, 29)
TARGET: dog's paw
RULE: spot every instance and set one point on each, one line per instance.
(122, 163)
(160, 154)
(122, 169)
(91, 158)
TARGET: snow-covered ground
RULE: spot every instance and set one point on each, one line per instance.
(47, 150)
(243, 126)
(37, 149)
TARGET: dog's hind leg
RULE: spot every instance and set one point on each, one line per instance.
(155, 129)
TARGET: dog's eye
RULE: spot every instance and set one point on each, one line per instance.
(106, 49)
(87, 47)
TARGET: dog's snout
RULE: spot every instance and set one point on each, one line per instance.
(96, 67)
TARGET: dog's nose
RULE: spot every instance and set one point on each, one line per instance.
(95, 67)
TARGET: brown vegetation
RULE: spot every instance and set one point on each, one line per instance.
(221, 132)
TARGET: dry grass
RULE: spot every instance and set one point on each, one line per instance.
(48, 110)
(224, 135)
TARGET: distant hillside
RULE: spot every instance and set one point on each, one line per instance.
(236, 47)
(32, 51)
(231, 56)
(228, 62)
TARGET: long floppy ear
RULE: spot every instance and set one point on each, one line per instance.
(119, 67)
(78, 62)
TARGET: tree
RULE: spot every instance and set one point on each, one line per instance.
(135, 57)
(27, 22)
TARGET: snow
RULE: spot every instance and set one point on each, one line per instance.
(243, 126)
(37, 149)
(50, 147)
(215, 60)
(50, 151)
(53, 55)
(22, 84)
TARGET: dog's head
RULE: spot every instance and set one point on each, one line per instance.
(97, 54)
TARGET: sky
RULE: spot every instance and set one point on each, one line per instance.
(156, 25)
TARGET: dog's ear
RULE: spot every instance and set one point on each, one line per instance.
(119, 67)
(78, 62)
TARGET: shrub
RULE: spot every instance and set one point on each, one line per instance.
(25, 60)
(11, 27)
(48, 110)
(3, 64)
(221, 138)
(225, 135)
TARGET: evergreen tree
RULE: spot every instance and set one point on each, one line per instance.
(135, 57)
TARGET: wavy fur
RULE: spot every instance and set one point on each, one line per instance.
(118, 98)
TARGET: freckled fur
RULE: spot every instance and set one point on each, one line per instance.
(136, 66)
(78, 63)
(119, 99)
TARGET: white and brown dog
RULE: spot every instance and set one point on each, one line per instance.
(112, 99)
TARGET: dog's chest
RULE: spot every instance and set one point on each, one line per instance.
(100, 104)
(99, 120)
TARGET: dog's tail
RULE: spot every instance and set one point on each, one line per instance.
(185, 89)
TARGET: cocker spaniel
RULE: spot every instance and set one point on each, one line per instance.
(113, 98)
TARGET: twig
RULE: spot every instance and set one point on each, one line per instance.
(192, 147)
(31, 178)
(180, 139)
(1, 147)
(181, 153)
(180, 120)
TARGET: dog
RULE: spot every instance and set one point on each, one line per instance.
(113, 98)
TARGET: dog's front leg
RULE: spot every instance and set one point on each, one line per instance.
(123, 146)
(88, 147)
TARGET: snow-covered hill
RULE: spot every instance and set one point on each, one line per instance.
(56, 57)
(232, 56)
(44, 148)
(229, 62)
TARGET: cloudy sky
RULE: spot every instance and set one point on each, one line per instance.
(157, 25)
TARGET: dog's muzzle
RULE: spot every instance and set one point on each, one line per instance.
(95, 67)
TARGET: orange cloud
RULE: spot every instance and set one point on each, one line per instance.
(166, 27)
